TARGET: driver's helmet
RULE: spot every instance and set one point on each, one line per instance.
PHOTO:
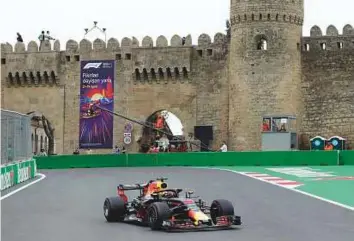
(155, 186)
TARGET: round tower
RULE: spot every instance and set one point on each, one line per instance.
(264, 67)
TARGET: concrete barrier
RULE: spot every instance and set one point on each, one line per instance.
(289, 158)
(347, 157)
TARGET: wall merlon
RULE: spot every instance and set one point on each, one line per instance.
(6, 48)
(113, 44)
(348, 30)
(85, 46)
(161, 41)
(32, 47)
(20, 47)
(56, 46)
(204, 40)
(72, 46)
(147, 42)
(99, 45)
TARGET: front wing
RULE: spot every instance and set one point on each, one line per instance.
(224, 222)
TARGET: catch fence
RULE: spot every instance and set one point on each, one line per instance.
(16, 142)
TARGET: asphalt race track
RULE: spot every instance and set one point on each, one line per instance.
(67, 205)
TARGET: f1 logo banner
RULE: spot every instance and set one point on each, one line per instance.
(96, 89)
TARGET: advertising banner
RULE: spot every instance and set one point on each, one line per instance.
(96, 89)
(7, 177)
(24, 171)
(17, 173)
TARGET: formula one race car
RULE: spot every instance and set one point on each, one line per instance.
(161, 208)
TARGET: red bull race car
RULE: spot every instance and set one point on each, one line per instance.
(162, 208)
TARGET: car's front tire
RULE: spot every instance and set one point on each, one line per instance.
(156, 214)
(221, 208)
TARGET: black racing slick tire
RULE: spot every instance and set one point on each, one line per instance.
(221, 208)
(114, 209)
(156, 214)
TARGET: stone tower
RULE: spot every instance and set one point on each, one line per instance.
(264, 67)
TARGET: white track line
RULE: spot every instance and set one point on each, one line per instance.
(295, 190)
(42, 176)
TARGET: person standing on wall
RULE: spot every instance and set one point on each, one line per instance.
(41, 39)
(48, 37)
(19, 38)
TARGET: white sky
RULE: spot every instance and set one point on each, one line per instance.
(67, 19)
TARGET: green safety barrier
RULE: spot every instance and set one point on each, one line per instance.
(18, 172)
(347, 157)
(289, 158)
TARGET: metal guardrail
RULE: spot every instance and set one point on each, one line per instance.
(15, 137)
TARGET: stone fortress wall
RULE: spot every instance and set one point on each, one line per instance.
(190, 81)
(328, 82)
(193, 81)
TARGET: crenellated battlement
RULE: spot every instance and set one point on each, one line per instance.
(266, 17)
(332, 40)
(114, 45)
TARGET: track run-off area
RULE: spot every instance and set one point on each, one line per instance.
(68, 205)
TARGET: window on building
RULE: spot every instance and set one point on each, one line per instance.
(118, 56)
(200, 53)
(261, 42)
(323, 46)
(306, 47)
(128, 56)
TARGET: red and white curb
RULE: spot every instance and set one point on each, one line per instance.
(272, 180)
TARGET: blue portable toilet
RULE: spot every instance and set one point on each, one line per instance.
(337, 142)
(318, 143)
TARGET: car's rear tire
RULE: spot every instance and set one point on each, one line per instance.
(221, 208)
(156, 214)
(114, 209)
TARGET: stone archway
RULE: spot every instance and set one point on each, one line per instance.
(46, 142)
(168, 123)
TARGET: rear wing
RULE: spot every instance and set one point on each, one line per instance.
(138, 186)
(131, 187)
(121, 188)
